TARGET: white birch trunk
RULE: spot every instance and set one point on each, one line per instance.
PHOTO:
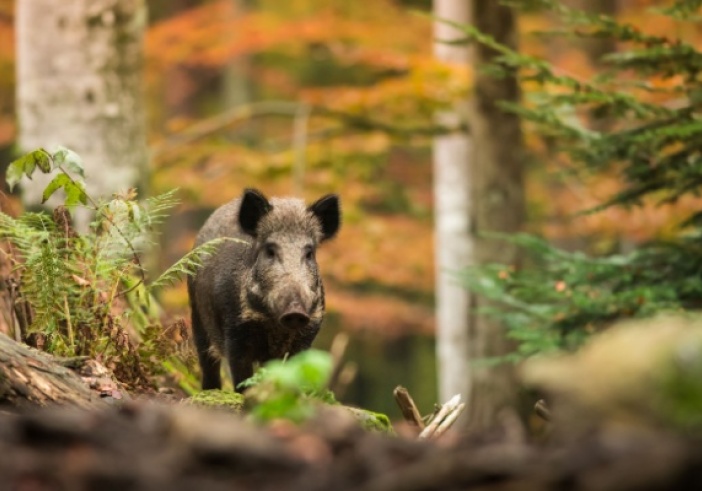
(79, 84)
(452, 222)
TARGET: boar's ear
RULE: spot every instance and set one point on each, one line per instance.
(328, 211)
(254, 206)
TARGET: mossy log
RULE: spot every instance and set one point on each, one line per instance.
(234, 403)
(31, 378)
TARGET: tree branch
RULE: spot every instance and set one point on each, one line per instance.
(246, 112)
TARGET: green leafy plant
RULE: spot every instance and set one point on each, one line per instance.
(87, 294)
(64, 160)
(291, 388)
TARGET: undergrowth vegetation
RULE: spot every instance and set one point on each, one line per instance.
(87, 294)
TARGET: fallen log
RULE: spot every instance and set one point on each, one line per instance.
(31, 378)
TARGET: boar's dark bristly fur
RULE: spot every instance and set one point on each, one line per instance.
(259, 297)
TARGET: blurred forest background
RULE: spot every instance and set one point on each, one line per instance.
(307, 97)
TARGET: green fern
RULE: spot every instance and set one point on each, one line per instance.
(189, 263)
(72, 281)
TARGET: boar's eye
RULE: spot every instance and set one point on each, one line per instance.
(269, 250)
(309, 253)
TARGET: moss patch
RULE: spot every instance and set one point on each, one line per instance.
(371, 421)
(219, 399)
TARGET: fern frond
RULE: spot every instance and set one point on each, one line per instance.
(26, 233)
(46, 281)
(189, 264)
(158, 206)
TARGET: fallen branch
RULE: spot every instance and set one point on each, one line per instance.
(408, 407)
(444, 419)
(245, 112)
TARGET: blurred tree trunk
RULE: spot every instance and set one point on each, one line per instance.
(237, 89)
(79, 84)
(497, 204)
(236, 86)
(453, 248)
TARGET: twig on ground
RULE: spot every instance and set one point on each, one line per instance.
(443, 420)
(408, 407)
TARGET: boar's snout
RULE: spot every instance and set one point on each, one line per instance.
(295, 317)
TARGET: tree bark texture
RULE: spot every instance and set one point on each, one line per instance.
(30, 378)
(497, 204)
(79, 85)
(453, 243)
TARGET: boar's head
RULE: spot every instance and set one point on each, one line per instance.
(283, 284)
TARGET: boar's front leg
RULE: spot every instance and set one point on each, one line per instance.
(242, 347)
(209, 363)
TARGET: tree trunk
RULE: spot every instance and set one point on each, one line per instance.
(79, 85)
(452, 160)
(30, 378)
(497, 204)
(236, 85)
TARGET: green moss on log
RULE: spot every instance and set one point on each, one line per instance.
(371, 421)
(219, 399)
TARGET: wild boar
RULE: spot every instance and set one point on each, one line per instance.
(259, 297)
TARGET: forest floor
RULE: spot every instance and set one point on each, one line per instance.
(169, 445)
(105, 438)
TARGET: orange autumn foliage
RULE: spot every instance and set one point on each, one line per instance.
(391, 250)
(215, 33)
(7, 50)
(385, 185)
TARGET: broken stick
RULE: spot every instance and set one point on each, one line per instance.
(408, 407)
